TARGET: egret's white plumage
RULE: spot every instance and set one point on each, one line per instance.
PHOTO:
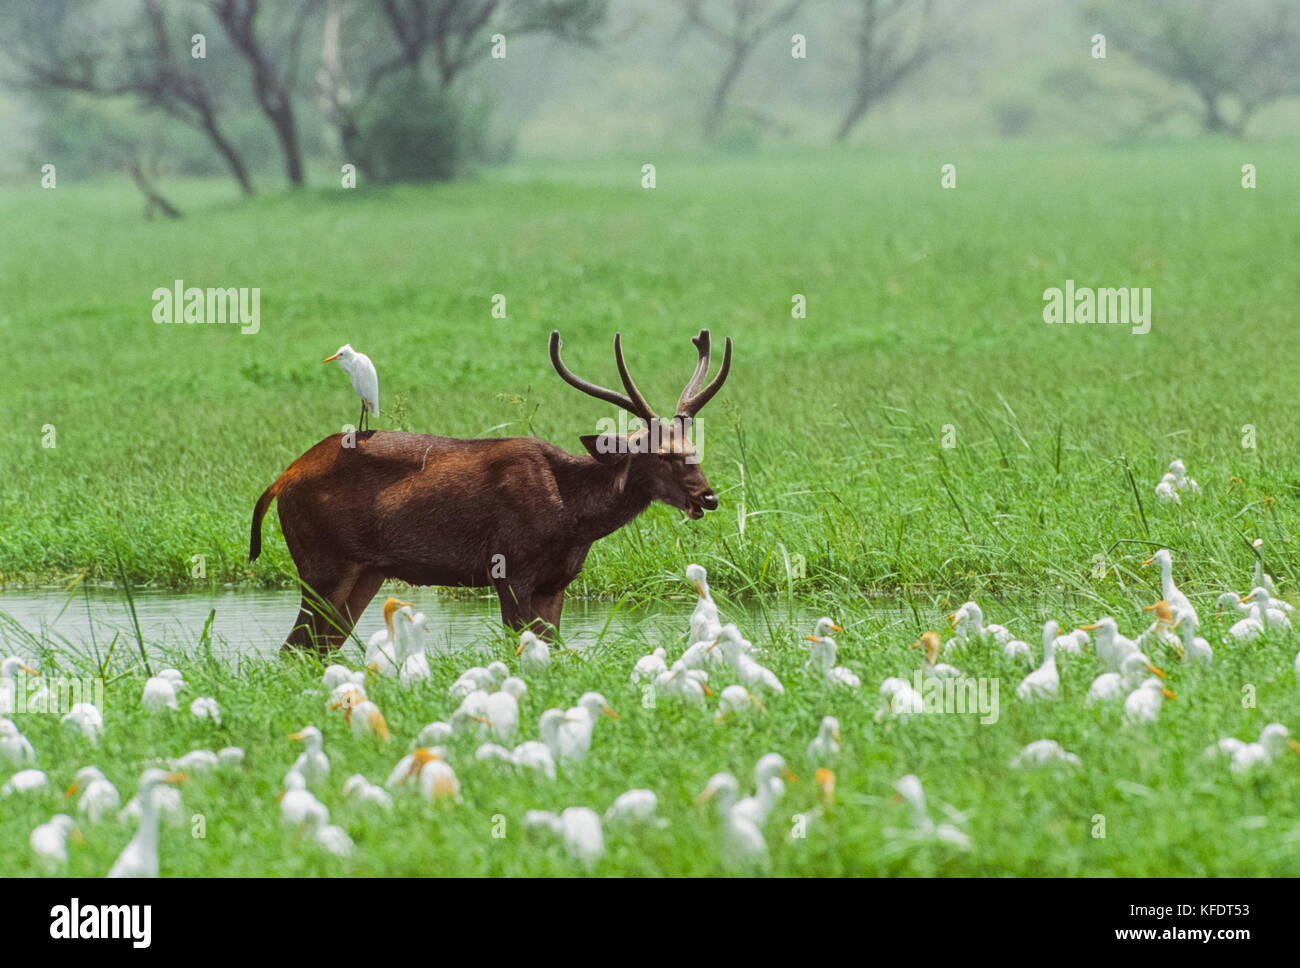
(99, 798)
(1043, 752)
(49, 841)
(365, 380)
(85, 718)
(9, 669)
(705, 621)
(1114, 686)
(580, 828)
(930, 667)
(312, 764)
(205, 707)
(1143, 703)
(650, 667)
(140, 858)
(736, 701)
(357, 789)
(826, 745)
(900, 699)
(824, 650)
(534, 654)
(15, 748)
(1044, 682)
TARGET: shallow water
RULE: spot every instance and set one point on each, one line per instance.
(256, 621)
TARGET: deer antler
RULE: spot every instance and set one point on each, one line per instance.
(701, 369)
(633, 402)
(693, 398)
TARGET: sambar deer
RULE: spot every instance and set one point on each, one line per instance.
(516, 513)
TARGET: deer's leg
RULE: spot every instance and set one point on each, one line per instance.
(547, 608)
(322, 623)
(516, 605)
(363, 591)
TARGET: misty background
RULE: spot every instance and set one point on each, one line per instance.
(289, 91)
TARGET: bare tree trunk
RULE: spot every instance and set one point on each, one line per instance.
(722, 91)
(151, 195)
(272, 91)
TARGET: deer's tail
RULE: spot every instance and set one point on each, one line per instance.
(259, 511)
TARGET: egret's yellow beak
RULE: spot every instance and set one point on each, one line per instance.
(328, 358)
(299, 736)
(836, 628)
(71, 790)
(1148, 561)
(1168, 694)
(175, 778)
(1159, 672)
(609, 712)
(1088, 628)
(699, 589)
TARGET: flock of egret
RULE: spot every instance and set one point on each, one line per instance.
(485, 709)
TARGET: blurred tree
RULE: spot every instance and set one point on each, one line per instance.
(894, 39)
(69, 45)
(434, 42)
(737, 26)
(274, 66)
(1234, 58)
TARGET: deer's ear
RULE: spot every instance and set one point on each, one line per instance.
(606, 448)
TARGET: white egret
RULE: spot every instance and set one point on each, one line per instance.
(1044, 682)
(1043, 752)
(743, 844)
(534, 654)
(824, 651)
(9, 669)
(923, 828)
(900, 699)
(14, 746)
(312, 763)
(579, 827)
(502, 708)
(140, 858)
(357, 789)
(826, 745)
(929, 667)
(1112, 648)
(736, 701)
(635, 806)
(1178, 602)
(49, 841)
(650, 667)
(298, 805)
(160, 693)
(704, 619)
(365, 381)
(26, 781)
(383, 654)
(206, 707)
(683, 683)
(1143, 703)
(99, 797)
(1114, 686)
(755, 677)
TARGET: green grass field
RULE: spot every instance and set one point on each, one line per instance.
(923, 310)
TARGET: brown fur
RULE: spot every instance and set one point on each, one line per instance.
(436, 510)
